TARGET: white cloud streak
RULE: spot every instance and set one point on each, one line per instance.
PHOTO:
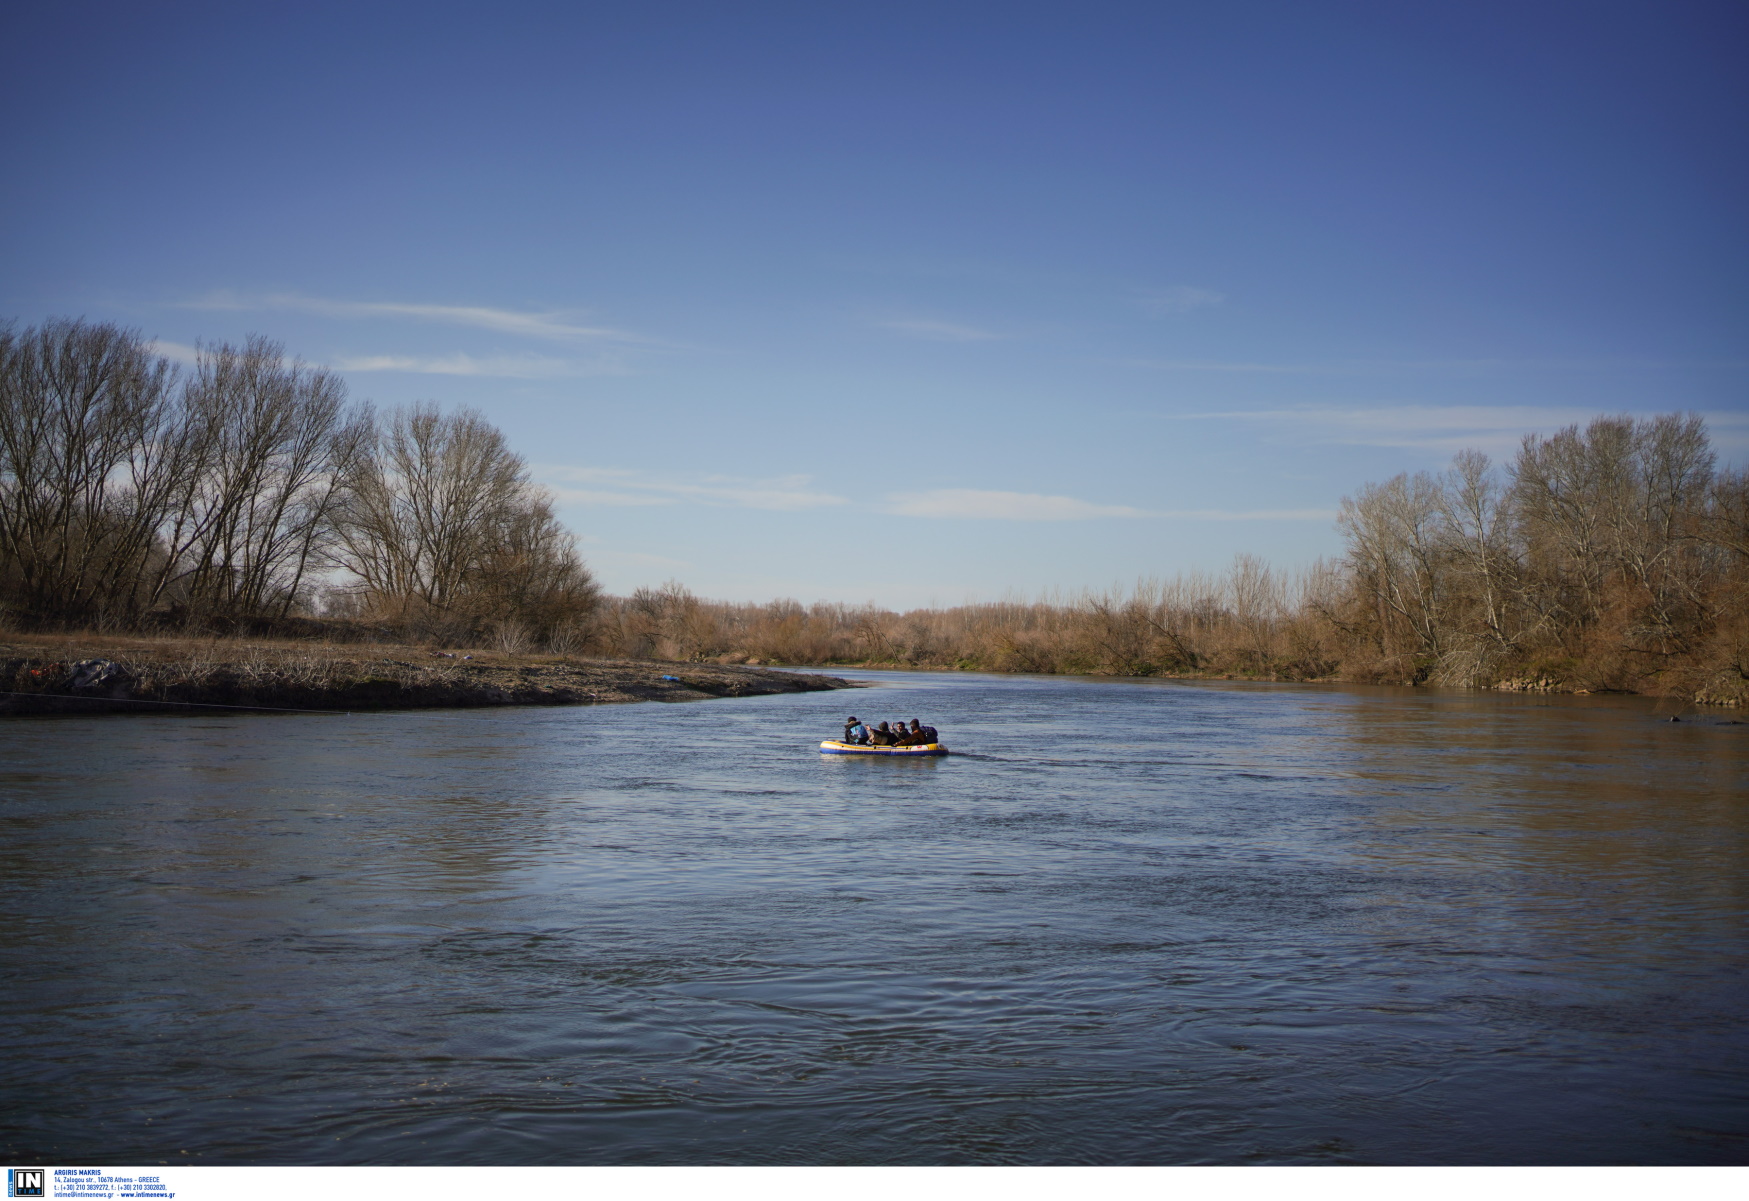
(616, 487)
(1730, 434)
(1246, 368)
(941, 331)
(176, 352)
(1379, 367)
(1495, 429)
(620, 487)
(494, 366)
(1000, 506)
(979, 505)
(554, 326)
(1248, 514)
(594, 498)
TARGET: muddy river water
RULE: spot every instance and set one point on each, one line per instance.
(1142, 922)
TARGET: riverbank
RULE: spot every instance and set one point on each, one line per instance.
(55, 674)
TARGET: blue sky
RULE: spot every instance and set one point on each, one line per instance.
(917, 303)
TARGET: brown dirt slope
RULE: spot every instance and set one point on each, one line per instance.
(130, 675)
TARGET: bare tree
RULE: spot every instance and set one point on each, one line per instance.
(1569, 491)
(1394, 539)
(529, 572)
(269, 445)
(1655, 545)
(420, 504)
(82, 408)
(1477, 532)
(1615, 505)
(1725, 521)
(441, 524)
(1169, 610)
(1256, 595)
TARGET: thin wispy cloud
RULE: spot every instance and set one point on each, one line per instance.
(176, 352)
(1246, 514)
(1169, 302)
(1493, 428)
(1001, 506)
(1340, 366)
(618, 487)
(1497, 430)
(1730, 431)
(189, 356)
(1252, 368)
(492, 366)
(551, 326)
(623, 487)
(1445, 429)
(982, 505)
(941, 331)
(1444, 366)
(595, 497)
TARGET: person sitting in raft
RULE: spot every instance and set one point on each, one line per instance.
(855, 733)
(881, 736)
(914, 734)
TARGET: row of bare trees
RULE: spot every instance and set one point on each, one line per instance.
(243, 489)
(133, 493)
(1610, 556)
(1248, 619)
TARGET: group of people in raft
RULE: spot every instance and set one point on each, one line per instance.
(857, 734)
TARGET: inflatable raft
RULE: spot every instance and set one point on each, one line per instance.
(834, 747)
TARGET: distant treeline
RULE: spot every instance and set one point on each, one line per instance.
(1609, 557)
(135, 495)
(247, 493)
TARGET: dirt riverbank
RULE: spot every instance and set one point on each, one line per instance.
(61, 675)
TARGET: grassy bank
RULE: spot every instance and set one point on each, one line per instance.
(85, 674)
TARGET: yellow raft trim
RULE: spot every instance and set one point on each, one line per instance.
(833, 747)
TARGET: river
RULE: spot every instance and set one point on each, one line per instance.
(1127, 921)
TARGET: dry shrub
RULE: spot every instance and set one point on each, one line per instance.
(1251, 621)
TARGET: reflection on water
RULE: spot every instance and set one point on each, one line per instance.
(1127, 922)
